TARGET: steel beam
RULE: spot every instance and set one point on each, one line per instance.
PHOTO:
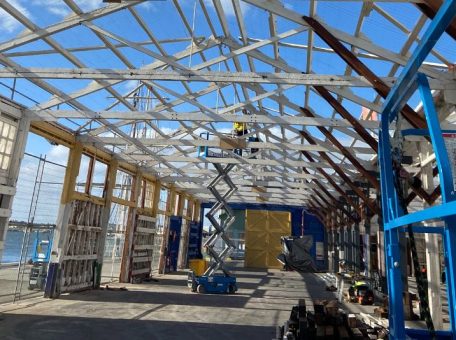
(430, 9)
(330, 196)
(345, 152)
(345, 114)
(372, 206)
(332, 182)
(381, 87)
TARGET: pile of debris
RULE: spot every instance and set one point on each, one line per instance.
(323, 319)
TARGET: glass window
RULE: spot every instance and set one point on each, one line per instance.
(149, 195)
(100, 170)
(185, 209)
(7, 141)
(122, 189)
(162, 205)
(81, 179)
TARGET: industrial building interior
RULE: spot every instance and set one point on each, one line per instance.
(250, 169)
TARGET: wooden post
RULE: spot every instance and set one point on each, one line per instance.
(127, 253)
(69, 183)
(168, 213)
(110, 185)
(197, 212)
(180, 211)
(183, 244)
(156, 198)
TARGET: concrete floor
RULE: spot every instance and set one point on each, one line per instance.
(8, 279)
(165, 310)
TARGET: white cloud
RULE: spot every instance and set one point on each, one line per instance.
(89, 5)
(58, 154)
(7, 22)
(56, 7)
(288, 6)
(59, 8)
(130, 85)
(148, 6)
(228, 7)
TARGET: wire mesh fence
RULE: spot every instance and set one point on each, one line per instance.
(114, 243)
(31, 228)
(39, 188)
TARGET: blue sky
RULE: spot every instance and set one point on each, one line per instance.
(164, 22)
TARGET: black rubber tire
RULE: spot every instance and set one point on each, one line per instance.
(231, 289)
(200, 289)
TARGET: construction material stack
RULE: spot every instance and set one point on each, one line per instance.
(323, 319)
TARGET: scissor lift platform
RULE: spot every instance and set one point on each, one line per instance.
(215, 284)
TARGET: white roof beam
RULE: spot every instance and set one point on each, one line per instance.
(203, 117)
(297, 78)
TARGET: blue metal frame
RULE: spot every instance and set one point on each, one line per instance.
(425, 230)
(421, 132)
(40, 242)
(393, 215)
(205, 149)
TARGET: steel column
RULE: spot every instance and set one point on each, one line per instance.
(392, 211)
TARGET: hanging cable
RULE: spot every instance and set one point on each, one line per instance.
(218, 94)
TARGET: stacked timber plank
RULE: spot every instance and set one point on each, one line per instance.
(81, 246)
(322, 319)
(142, 248)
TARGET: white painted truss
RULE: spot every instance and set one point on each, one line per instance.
(166, 102)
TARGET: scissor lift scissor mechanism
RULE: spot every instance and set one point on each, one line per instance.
(211, 282)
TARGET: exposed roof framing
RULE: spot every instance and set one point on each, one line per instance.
(156, 96)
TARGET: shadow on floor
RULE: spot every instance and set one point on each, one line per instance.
(159, 297)
(317, 287)
(39, 327)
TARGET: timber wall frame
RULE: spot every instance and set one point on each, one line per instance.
(136, 203)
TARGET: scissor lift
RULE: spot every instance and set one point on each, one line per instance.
(210, 281)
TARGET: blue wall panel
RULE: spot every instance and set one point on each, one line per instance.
(195, 238)
(175, 226)
(312, 226)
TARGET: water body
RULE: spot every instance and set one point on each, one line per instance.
(14, 239)
(13, 244)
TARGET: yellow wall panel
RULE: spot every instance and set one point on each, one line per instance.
(263, 230)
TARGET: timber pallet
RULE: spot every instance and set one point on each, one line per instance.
(322, 319)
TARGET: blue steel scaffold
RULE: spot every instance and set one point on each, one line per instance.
(394, 216)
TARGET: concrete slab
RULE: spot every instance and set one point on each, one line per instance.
(9, 279)
(166, 310)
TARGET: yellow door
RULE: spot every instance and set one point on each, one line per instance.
(263, 230)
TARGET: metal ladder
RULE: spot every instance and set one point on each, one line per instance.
(218, 258)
